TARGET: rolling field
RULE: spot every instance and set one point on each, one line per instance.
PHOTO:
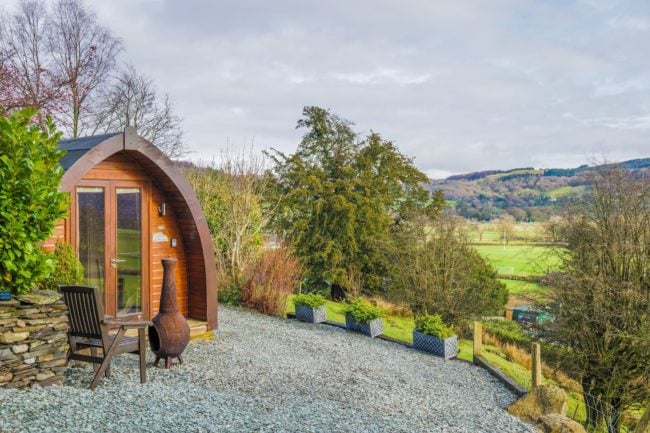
(520, 259)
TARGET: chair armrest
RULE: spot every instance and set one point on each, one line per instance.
(126, 324)
(108, 321)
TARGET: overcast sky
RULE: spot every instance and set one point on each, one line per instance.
(459, 85)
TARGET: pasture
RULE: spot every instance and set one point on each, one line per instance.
(521, 260)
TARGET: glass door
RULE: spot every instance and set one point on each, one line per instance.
(128, 250)
(112, 241)
(91, 233)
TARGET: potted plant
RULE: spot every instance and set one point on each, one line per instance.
(432, 335)
(310, 308)
(363, 317)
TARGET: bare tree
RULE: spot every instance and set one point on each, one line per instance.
(505, 225)
(435, 270)
(238, 202)
(84, 54)
(133, 101)
(601, 299)
(27, 77)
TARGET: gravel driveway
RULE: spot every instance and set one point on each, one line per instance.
(264, 374)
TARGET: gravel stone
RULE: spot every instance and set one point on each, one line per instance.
(264, 374)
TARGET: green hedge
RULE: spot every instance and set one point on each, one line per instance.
(30, 201)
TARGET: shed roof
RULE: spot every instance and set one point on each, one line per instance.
(77, 147)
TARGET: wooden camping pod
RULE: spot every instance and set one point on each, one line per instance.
(130, 207)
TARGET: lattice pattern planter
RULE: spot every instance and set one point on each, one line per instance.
(372, 329)
(309, 314)
(445, 348)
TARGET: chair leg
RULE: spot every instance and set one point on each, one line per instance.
(107, 358)
(143, 356)
(93, 352)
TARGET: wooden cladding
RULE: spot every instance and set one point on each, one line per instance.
(180, 232)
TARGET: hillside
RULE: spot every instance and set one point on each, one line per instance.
(526, 193)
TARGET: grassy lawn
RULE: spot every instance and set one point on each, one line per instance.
(525, 234)
(519, 259)
(524, 289)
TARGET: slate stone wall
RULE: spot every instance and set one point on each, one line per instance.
(33, 340)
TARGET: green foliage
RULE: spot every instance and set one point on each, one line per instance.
(30, 202)
(435, 270)
(67, 268)
(339, 197)
(309, 300)
(229, 295)
(508, 331)
(433, 325)
(362, 311)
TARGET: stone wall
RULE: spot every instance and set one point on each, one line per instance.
(33, 340)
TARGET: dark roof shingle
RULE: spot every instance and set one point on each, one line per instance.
(78, 147)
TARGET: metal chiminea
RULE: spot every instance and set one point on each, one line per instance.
(170, 332)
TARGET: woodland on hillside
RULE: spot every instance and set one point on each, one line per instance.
(527, 194)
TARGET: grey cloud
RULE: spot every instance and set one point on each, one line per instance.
(460, 86)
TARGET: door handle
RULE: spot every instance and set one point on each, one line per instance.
(114, 262)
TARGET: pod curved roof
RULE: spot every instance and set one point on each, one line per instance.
(84, 153)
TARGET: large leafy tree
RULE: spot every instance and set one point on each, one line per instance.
(341, 195)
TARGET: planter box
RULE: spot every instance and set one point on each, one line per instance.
(372, 329)
(447, 348)
(309, 314)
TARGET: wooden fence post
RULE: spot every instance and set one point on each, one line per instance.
(537, 365)
(478, 339)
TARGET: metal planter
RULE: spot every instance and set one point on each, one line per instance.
(309, 314)
(372, 328)
(445, 348)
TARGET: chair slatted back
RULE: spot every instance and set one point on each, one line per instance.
(86, 311)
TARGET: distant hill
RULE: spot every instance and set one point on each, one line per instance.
(526, 193)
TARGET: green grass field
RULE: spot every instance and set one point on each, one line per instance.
(567, 190)
(520, 259)
(524, 289)
(524, 234)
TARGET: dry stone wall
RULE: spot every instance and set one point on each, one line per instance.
(33, 340)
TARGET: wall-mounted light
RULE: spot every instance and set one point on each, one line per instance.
(162, 209)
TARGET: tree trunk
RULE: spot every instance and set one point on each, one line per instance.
(614, 416)
(338, 293)
(591, 404)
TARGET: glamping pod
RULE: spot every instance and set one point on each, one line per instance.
(130, 207)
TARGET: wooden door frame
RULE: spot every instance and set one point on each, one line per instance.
(110, 237)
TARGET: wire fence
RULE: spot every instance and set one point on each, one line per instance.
(524, 368)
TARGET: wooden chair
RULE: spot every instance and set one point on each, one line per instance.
(89, 328)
